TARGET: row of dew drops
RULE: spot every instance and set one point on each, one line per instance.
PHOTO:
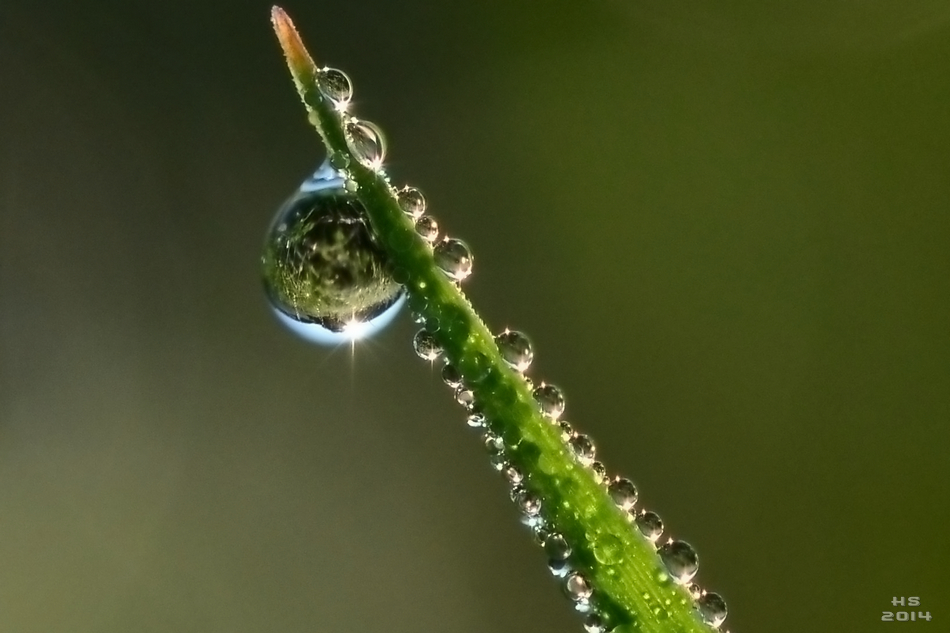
(365, 142)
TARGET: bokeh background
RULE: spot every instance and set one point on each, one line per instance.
(724, 225)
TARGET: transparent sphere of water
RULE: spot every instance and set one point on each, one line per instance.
(411, 201)
(550, 400)
(577, 587)
(325, 273)
(515, 349)
(583, 448)
(623, 492)
(427, 227)
(650, 525)
(335, 85)
(712, 609)
(366, 142)
(425, 345)
(680, 560)
(454, 258)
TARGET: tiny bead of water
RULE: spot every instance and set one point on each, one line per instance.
(594, 623)
(599, 471)
(556, 547)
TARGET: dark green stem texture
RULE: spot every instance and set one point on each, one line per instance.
(632, 593)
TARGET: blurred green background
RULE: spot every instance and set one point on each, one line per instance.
(724, 225)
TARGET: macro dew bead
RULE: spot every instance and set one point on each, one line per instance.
(325, 273)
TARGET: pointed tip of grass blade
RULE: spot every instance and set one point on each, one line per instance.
(298, 59)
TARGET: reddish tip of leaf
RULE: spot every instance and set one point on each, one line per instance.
(296, 53)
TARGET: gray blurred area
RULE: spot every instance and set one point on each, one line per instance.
(725, 226)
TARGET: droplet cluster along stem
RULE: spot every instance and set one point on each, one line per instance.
(634, 592)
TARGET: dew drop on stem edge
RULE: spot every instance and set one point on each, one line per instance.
(335, 85)
(324, 271)
(515, 349)
(366, 143)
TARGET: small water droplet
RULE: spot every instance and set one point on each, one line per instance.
(567, 431)
(528, 502)
(515, 349)
(556, 546)
(339, 160)
(608, 549)
(650, 525)
(427, 228)
(559, 567)
(475, 420)
(549, 399)
(513, 475)
(465, 397)
(680, 560)
(335, 85)
(594, 623)
(324, 271)
(411, 201)
(623, 492)
(577, 587)
(599, 471)
(694, 590)
(451, 375)
(498, 461)
(712, 609)
(366, 143)
(493, 443)
(583, 449)
(454, 258)
(427, 348)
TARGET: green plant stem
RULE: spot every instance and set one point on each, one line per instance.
(631, 589)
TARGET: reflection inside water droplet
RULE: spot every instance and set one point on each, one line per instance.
(326, 276)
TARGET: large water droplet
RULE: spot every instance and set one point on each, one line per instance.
(454, 258)
(425, 345)
(577, 587)
(515, 349)
(550, 400)
(583, 448)
(411, 201)
(366, 143)
(324, 271)
(623, 492)
(335, 85)
(650, 525)
(680, 560)
(712, 609)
